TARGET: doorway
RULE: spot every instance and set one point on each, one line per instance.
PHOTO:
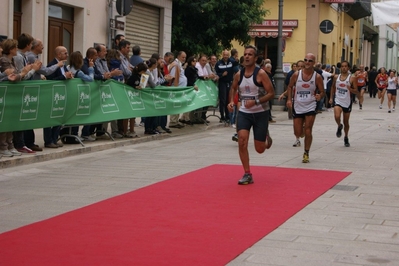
(60, 29)
(267, 48)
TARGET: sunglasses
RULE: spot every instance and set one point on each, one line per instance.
(308, 60)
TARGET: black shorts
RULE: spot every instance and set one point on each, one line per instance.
(295, 115)
(360, 88)
(392, 92)
(345, 109)
(259, 122)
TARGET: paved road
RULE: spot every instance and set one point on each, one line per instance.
(356, 223)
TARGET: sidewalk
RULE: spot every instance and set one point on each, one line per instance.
(99, 145)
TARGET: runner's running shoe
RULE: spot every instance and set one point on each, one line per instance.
(339, 131)
(346, 141)
(246, 179)
(297, 143)
(305, 158)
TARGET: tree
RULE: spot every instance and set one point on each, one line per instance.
(209, 26)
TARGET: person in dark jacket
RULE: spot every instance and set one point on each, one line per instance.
(225, 70)
(51, 134)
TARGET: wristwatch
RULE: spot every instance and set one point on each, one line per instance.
(257, 102)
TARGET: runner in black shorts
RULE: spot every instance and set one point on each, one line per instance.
(255, 90)
(343, 86)
(305, 89)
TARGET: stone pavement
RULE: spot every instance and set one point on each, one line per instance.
(355, 223)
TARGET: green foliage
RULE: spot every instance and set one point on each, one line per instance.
(209, 26)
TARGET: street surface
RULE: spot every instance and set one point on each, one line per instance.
(355, 223)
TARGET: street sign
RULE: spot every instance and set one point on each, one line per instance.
(116, 24)
(326, 26)
(123, 7)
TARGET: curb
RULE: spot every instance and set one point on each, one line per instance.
(99, 145)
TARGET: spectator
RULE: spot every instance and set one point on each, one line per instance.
(134, 81)
(177, 72)
(118, 38)
(7, 65)
(91, 56)
(102, 66)
(372, 86)
(225, 70)
(126, 67)
(151, 123)
(268, 69)
(327, 76)
(76, 63)
(204, 72)
(20, 60)
(191, 73)
(51, 134)
(136, 59)
(212, 66)
(164, 79)
(114, 62)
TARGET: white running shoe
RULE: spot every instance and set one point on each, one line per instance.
(297, 143)
(380, 106)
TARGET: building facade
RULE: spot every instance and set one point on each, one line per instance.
(80, 24)
(332, 30)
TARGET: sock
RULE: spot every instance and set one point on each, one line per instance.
(248, 172)
(307, 152)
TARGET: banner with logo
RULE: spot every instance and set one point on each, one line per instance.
(39, 104)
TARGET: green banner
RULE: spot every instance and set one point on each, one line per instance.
(39, 104)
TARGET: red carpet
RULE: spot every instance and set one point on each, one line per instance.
(199, 218)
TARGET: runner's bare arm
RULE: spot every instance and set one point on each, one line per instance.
(333, 89)
(320, 87)
(353, 87)
(293, 80)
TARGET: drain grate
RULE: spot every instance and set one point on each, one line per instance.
(378, 119)
(345, 187)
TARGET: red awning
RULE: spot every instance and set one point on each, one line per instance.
(268, 32)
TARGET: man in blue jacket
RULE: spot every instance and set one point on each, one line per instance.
(225, 70)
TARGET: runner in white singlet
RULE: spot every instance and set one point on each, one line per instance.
(305, 91)
(391, 90)
(255, 90)
(309, 89)
(341, 90)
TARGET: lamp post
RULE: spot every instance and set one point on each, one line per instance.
(279, 75)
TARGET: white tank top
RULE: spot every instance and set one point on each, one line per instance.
(342, 93)
(391, 84)
(249, 91)
(304, 98)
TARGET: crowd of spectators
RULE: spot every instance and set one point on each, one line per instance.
(20, 61)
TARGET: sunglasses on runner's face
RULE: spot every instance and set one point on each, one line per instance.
(308, 60)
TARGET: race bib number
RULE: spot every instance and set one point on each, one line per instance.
(303, 96)
(341, 93)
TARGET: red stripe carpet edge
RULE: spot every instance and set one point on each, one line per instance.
(198, 218)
